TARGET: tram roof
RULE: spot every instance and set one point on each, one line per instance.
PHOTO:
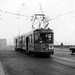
(35, 31)
(39, 14)
(43, 30)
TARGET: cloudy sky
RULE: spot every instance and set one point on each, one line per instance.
(15, 18)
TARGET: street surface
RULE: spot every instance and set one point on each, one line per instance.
(19, 63)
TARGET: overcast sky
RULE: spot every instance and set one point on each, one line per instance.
(13, 24)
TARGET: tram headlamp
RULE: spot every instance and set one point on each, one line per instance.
(51, 47)
(40, 41)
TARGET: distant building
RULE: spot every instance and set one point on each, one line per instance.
(3, 42)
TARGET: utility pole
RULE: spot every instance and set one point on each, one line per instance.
(41, 8)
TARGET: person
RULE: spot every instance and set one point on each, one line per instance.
(61, 45)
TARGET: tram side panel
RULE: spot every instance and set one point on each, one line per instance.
(18, 43)
(15, 44)
(36, 43)
(24, 43)
(31, 43)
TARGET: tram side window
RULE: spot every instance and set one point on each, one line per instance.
(15, 41)
(24, 39)
(18, 41)
(31, 38)
(36, 38)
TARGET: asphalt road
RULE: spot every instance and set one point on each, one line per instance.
(19, 63)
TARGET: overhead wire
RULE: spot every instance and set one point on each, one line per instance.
(55, 5)
(37, 22)
(63, 15)
(17, 14)
(30, 16)
(56, 42)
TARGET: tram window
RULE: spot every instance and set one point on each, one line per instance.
(24, 39)
(36, 38)
(31, 38)
(46, 37)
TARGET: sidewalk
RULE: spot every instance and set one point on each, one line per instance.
(1, 69)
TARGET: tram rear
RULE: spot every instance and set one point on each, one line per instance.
(44, 41)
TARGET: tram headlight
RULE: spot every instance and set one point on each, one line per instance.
(40, 42)
(51, 47)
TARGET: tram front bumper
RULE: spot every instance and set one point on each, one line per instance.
(47, 50)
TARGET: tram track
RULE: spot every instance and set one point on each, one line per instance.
(10, 64)
(54, 65)
(64, 61)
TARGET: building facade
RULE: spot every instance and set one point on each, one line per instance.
(3, 42)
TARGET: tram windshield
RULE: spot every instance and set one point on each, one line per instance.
(46, 37)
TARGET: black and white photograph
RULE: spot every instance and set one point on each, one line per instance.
(37, 37)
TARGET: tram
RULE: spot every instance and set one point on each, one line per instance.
(39, 41)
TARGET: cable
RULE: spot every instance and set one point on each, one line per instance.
(14, 13)
(55, 5)
(56, 42)
(41, 8)
(61, 15)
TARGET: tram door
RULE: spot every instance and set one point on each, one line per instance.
(36, 43)
(27, 44)
(16, 43)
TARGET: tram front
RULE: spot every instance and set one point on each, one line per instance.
(45, 44)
